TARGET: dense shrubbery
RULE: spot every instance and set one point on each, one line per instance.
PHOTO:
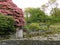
(6, 25)
(34, 26)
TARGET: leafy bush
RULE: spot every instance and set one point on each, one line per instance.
(38, 26)
(6, 25)
(26, 28)
(34, 26)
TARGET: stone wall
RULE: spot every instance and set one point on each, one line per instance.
(29, 42)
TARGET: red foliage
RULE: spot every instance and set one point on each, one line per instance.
(7, 7)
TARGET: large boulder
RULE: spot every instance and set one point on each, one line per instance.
(7, 7)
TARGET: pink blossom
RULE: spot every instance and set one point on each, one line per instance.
(9, 8)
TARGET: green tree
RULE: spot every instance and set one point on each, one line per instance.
(35, 15)
(51, 3)
(6, 25)
(55, 14)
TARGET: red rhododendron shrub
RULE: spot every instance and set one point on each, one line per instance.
(7, 7)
